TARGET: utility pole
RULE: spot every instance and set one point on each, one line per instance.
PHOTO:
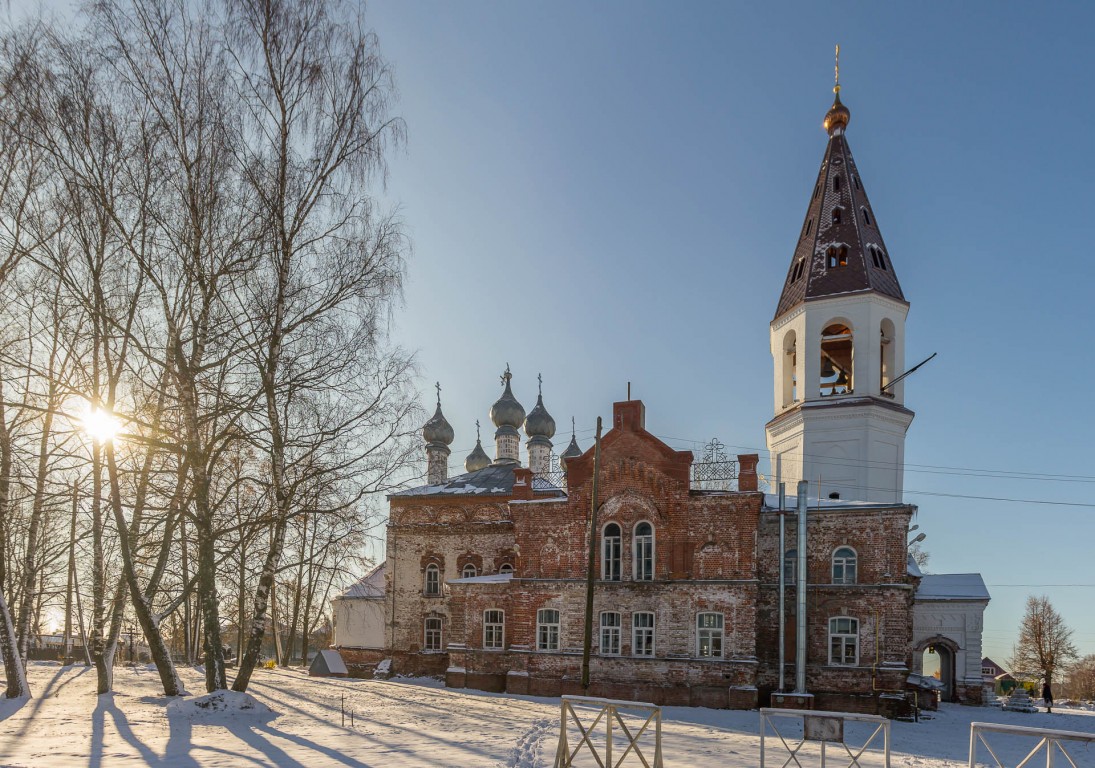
(800, 608)
(587, 641)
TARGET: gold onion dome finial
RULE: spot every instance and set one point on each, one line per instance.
(838, 116)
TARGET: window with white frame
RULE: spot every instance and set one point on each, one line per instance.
(790, 566)
(642, 634)
(547, 629)
(644, 552)
(844, 641)
(432, 634)
(611, 543)
(991, 671)
(494, 629)
(505, 568)
(469, 571)
(432, 587)
(610, 633)
(709, 634)
(844, 566)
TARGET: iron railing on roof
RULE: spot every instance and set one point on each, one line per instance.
(715, 471)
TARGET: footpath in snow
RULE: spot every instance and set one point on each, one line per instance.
(291, 720)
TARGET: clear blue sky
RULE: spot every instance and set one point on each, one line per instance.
(612, 191)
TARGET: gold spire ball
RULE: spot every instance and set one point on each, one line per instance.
(838, 116)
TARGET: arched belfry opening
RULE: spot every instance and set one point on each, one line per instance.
(836, 360)
(887, 357)
(787, 375)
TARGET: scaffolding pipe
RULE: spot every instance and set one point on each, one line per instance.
(800, 612)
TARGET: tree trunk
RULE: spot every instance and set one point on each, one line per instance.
(264, 595)
(104, 662)
(150, 625)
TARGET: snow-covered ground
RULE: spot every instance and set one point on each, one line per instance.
(293, 720)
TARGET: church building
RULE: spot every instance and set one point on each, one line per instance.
(485, 579)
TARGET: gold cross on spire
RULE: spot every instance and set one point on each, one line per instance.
(836, 71)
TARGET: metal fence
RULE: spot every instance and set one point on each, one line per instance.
(607, 711)
(1048, 742)
(823, 728)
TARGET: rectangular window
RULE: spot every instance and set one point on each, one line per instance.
(988, 671)
(547, 630)
(709, 634)
(610, 633)
(844, 641)
(642, 634)
(494, 629)
(432, 640)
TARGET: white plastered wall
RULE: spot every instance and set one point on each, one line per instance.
(359, 622)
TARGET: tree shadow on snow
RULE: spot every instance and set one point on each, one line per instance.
(257, 736)
(178, 744)
(9, 707)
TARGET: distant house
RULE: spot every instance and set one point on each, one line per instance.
(991, 670)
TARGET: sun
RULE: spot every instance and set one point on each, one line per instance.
(100, 424)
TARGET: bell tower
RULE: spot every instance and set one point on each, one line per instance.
(838, 342)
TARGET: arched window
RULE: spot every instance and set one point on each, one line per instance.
(505, 568)
(431, 640)
(547, 629)
(432, 586)
(836, 183)
(888, 357)
(844, 566)
(611, 543)
(642, 634)
(799, 268)
(856, 180)
(837, 256)
(866, 217)
(644, 552)
(709, 633)
(789, 383)
(844, 641)
(817, 190)
(610, 633)
(469, 571)
(809, 226)
(790, 566)
(494, 629)
(836, 360)
(837, 212)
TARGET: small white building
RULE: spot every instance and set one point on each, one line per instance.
(948, 618)
(360, 613)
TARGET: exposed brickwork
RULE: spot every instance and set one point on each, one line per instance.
(713, 552)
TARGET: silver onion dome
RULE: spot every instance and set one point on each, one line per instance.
(477, 459)
(438, 429)
(507, 412)
(572, 451)
(539, 422)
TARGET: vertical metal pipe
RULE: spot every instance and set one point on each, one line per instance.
(800, 612)
(782, 576)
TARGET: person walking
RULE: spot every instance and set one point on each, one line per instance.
(1047, 697)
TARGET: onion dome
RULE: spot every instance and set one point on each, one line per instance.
(478, 458)
(572, 451)
(507, 412)
(539, 422)
(838, 116)
(438, 429)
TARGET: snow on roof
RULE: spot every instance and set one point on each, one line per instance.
(494, 578)
(952, 586)
(370, 585)
(914, 569)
